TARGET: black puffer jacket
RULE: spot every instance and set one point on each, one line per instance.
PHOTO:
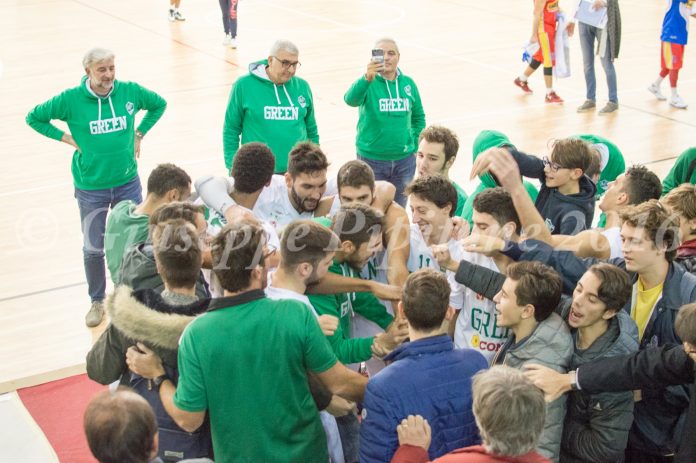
(597, 425)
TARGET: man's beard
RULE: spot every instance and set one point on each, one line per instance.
(301, 202)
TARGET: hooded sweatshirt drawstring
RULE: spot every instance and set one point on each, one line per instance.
(396, 81)
(287, 95)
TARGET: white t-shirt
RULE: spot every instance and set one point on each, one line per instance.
(477, 326)
(421, 256)
(216, 222)
(274, 206)
(613, 235)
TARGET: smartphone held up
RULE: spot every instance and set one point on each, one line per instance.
(378, 57)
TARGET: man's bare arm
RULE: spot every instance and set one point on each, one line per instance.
(344, 382)
(334, 284)
(397, 235)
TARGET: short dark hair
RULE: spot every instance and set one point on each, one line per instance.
(572, 153)
(685, 323)
(236, 250)
(252, 167)
(498, 203)
(661, 226)
(120, 427)
(357, 223)
(435, 189)
(177, 250)
(615, 286)
(306, 241)
(306, 158)
(641, 185)
(425, 299)
(538, 285)
(355, 173)
(167, 177)
(440, 134)
(176, 210)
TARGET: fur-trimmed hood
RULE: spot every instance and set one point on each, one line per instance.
(144, 316)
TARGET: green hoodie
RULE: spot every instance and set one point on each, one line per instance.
(683, 171)
(277, 115)
(391, 116)
(615, 163)
(487, 139)
(103, 128)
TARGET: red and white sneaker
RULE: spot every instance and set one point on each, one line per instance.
(523, 85)
(553, 98)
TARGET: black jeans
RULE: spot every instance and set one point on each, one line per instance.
(229, 16)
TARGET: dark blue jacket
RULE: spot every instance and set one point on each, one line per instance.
(428, 378)
(563, 214)
(660, 415)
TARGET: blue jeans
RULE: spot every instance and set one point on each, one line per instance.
(399, 173)
(588, 36)
(349, 429)
(94, 204)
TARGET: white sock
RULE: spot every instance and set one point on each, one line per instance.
(549, 91)
(658, 82)
(523, 78)
(674, 92)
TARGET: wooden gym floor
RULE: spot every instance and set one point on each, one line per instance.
(463, 54)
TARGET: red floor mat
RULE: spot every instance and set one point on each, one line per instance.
(58, 408)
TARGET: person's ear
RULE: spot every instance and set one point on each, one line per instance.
(528, 311)
(400, 310)
(449, 314)
(347, 247)
(288, 179)
(449, 162)
(155, 446)
(305, 269)
(576, 173)
(609, 314)
(622, 199)
(509, 230)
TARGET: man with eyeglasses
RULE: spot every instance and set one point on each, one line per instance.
(270, 105)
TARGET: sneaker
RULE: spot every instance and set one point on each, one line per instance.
(587, 105)
(179, 16)
(609, 108)
(655, 90)
(523, 85)
(233, 42)
(553, 98)
(95, 315)
(227, 40)
(172, 17)
(677, 102)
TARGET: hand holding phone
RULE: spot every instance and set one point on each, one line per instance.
(376, 64)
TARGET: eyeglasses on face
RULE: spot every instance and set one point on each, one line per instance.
(288, 64)
(552, 165)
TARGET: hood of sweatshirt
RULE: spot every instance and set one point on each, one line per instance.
(104, 104)
(144, 316)
(584, 199)
(620, 338)
(487, 139)
(258, 70)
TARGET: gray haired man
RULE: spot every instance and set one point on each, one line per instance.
(270, 105)
(100, 114)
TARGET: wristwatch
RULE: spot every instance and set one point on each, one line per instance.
(157, 382)
(574, 380)
(139, 134)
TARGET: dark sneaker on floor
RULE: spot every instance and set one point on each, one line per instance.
(95, 315)
(609, 108)
(586, 106)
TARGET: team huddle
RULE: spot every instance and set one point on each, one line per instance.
(279, 314)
